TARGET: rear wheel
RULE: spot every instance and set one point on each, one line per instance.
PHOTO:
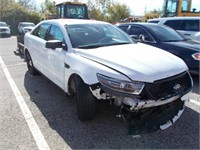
(85, 101)
(30, 65)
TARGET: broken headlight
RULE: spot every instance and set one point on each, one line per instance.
(129, 87)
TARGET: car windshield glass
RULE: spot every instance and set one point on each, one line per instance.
(165, 34)
(28, 25)
(96, 35)
(2, 24)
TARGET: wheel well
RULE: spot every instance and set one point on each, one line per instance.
(25, 53)
(71, 84)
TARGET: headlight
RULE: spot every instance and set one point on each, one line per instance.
(131, 87)
(196, 56)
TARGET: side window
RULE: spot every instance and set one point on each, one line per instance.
(175, 24)
(185, 5)
(139, 31)
(124, 28)
(191, 25)
(55, 34)
(41, 31)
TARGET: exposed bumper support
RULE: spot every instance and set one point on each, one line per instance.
(138, 104)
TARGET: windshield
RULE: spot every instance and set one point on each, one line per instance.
(165, 34)
(96, 35)
(28, 24)
(76, 11)
(3, 24)
(170, 8)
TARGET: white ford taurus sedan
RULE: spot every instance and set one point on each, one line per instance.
(92, 60)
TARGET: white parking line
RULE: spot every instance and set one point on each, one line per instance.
(35, 130)
(194, 102)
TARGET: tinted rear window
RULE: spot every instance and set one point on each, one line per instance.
(175, 24)
(186, 25)
(124, 28)
(191, 25)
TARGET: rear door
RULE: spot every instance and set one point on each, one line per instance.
(36, 42)
(190, 29)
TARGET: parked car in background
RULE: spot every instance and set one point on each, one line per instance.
(93, 60)
(189, 27)
(167, 39)
(4, 30)
(23, 27)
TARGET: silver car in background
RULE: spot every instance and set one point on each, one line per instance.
(189, 27)
(4, 29)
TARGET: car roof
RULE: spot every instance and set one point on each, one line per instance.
(138, 24)
(73, 21)
(175, 18)
(3, 22)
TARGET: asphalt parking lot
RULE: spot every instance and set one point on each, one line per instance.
(52, 122)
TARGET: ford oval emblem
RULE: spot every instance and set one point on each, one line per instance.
(177, 86)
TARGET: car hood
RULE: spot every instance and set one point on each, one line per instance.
(190, 44)
(4, 28)
(139, 62)
(28, 28)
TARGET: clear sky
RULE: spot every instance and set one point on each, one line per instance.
(137, 7)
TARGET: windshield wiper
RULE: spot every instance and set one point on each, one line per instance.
(89, 46)
(101, 45)
(117, 43)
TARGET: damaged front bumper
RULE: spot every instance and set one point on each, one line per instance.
(136, 104)
(157, 107)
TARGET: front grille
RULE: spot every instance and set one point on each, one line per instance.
(169, 87)
(3, 29)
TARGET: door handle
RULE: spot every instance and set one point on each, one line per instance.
(187, 34)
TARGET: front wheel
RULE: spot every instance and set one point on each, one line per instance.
(85, 101)
(30, 65)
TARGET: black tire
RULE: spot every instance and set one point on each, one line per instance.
(85, 101)
(30, 65)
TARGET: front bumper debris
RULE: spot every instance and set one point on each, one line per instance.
(153, 118)
(136, 104)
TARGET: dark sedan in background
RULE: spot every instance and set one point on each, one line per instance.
(167, 39)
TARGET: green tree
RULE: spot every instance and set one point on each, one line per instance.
(152, 14)
(28, 4)
(17, 13)
(108, 10)
(117, 12)
(48, 7)
(4, 6)
(95, 10)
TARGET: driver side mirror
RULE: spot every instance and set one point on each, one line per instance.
(53, 44)
(142, 38)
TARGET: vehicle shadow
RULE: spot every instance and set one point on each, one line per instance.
(105, 131)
